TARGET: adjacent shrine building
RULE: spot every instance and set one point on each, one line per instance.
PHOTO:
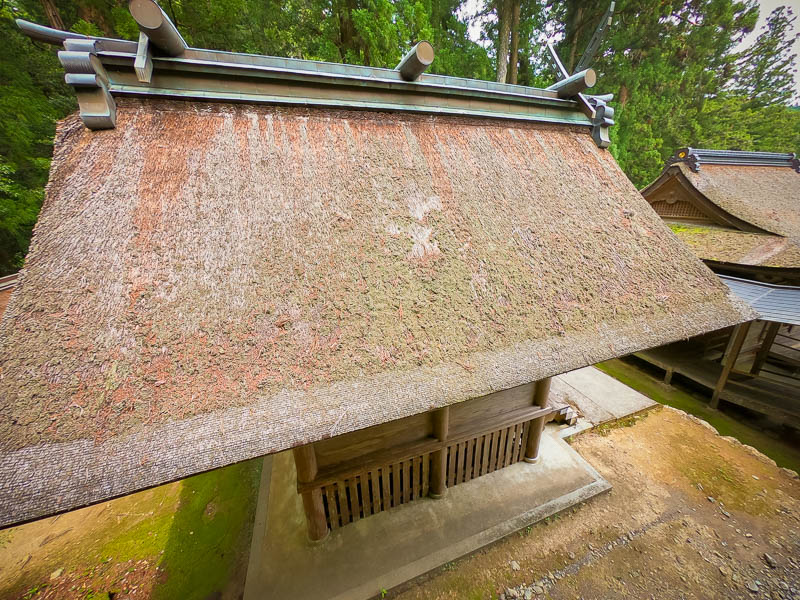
(740, 213)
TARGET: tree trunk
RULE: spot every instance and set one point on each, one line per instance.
(503, 28)
(575, 26)
(53, 16)
(623, 95)
(513, 59)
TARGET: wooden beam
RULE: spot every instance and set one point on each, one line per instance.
(305, 459)
(574, 84)
(441, 424)
(770, 331)
(414, 63)
(731, 355)
(541, 392)
(155, 23)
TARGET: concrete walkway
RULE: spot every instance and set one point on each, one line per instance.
(597, 398)
(356, 562)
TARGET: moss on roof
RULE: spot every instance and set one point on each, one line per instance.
(767, 197)
(732, 246)
(209, 283)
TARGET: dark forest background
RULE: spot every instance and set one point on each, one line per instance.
(673, 66)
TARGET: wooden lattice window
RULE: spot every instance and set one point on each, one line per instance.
(679, 210)
(376, 490)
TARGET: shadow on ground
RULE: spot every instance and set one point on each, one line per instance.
(189, 540)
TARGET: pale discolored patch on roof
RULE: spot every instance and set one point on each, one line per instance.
(767, 197)
(210, 283)
(731, 246)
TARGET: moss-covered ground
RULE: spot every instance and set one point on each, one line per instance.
(187, 540)
(783, 452)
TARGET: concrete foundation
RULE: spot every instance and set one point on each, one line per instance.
(385, 550)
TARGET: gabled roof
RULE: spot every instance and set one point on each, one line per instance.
(755, 194)
(211, 282)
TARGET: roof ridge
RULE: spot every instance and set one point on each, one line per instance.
(695, 157)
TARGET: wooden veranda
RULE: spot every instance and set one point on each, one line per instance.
(755, 365)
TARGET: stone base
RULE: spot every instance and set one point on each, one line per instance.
(385, 550)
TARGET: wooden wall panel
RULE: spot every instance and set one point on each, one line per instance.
(358, 443)
(482, 409)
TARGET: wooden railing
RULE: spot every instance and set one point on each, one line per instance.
(348, 491)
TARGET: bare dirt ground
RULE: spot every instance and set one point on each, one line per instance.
(184, 540)
(691, 515)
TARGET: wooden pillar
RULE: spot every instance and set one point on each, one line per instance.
(540, 394)
(305, 459)
(770, 331)
(441, 421)
(729, 359)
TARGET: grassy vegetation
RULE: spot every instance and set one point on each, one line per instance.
(783, 454)
(187, 540)
(678, 228)
(202, 542)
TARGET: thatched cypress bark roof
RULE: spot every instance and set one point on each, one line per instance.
(767, 197)
(731, 246)
(211, 283)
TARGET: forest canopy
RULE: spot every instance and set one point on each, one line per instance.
(675, 67)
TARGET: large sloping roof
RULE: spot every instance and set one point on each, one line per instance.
(210, 283)
(765, 196)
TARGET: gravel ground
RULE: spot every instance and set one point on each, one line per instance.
(691, 515)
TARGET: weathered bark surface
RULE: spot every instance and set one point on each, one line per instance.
(513, 59)
(573, 32)
(53, 16)
(623, 95)
(504, 27)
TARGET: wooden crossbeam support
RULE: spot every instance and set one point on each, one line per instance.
(305, 460)
(155, 23)
(731, 355)
(414, 63)
(541, 392)
(770, 332)
(441, 424)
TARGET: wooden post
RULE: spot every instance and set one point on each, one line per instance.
(305, 459)
(441, 421)
(731, 355)
(770, 331)
(540, 394)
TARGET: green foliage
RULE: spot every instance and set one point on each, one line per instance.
(32, 97)
(765, 71)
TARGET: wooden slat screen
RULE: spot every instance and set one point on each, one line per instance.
(486, 453)
(388, 486)
(376, 490)
(681, 208)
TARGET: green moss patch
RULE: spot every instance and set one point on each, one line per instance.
(783, 454)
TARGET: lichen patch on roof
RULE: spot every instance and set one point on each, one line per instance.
(253, 278)
(767, 197)
(732, 246)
